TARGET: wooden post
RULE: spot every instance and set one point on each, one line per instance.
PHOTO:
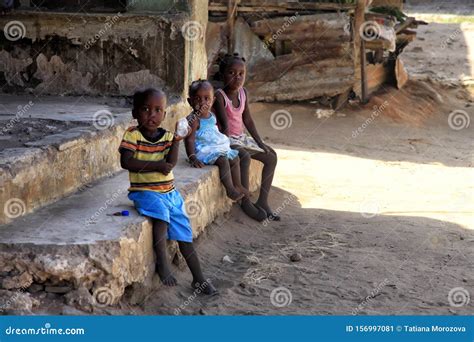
(359, 18)
(231, 15)
(363, 73)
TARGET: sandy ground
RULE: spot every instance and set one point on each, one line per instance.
(383, 220)
(378, 200)
(444, 49)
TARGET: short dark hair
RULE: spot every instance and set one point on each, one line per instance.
(196, 85)
(227, 60)
(140, 96)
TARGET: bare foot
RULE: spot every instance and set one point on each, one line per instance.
(271, 215)
(235, 195)
(165, 275)
(204, 287)
(244, 191)
(253, 211)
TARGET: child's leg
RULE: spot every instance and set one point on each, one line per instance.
(226, 179)
(269, 161)
(235, 171)
(159, 244)
(192, 260)
(245, 159)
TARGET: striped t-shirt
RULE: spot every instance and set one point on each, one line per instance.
(146, 150)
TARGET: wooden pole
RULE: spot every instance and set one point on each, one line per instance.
(363, 72)
(231, 15)
(359, 18)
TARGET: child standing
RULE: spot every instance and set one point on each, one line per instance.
(149, 153)
(205, 145)
(233, 115)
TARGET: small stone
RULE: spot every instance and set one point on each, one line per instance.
(58, 289)
(243, 285)
(202, 312)
(80, 299)
(253, 260)
(34, 288)
(17, 300)
(295, 257)
(227, 258)
(22, 281)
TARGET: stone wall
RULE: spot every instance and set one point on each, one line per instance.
(56, 53)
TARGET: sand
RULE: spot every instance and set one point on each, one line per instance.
(376, 201)
(383, 221)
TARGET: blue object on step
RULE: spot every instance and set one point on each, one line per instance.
(125, 213)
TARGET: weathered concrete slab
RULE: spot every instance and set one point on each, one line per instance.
(75, 243)
(46, 170)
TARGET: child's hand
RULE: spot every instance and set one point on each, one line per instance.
(196, 163)
(165, 168)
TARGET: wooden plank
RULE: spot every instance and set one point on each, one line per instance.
(231, 14)
(359, 18)
(244, 7)
(363, 74)
(406, 24)
(334, 22)
(377, 44)
(392, 3)
(271, 71)
(247, 9)
(401, 74)
(377, 75)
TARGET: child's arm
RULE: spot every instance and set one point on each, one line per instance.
(172, 157)
(189, 143)
(219, 110)
(250, 125)
(131, 164)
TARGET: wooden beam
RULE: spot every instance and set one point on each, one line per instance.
(359, 18)
(231, 14)
(363, 75)
(217, 7)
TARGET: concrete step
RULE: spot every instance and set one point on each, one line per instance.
(74, 245)
(44, 171)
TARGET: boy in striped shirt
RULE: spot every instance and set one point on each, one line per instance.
(149, 153)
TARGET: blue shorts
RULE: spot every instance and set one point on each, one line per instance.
(167, 207)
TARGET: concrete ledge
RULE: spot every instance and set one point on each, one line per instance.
(56, 166)
(74, 245)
